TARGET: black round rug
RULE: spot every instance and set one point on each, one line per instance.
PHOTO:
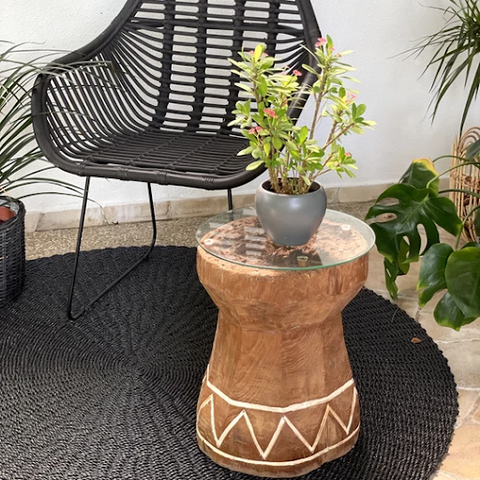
(113, 395)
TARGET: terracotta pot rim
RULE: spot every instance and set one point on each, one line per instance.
(266, 185)
(3, 209)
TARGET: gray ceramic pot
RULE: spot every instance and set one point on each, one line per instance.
(290, 219)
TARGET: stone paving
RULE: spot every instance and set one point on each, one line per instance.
(462, 349)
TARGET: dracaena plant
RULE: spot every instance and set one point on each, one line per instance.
(452, 272)
(292, 155)
(20, 156)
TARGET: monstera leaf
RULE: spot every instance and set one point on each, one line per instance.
(432, 272)
(458, 272)
(420, 172)
(462, 275)
(412, 203)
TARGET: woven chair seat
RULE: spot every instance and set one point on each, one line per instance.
(172, 151)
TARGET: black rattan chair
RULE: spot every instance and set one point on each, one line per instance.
(160, 112)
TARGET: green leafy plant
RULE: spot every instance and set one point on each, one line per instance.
(398, 213)
(19, 152)
(293, 157)
(456, 47)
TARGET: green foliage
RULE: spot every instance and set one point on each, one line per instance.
(473, 150)
(455, 52)
(414, 202)
(19, 153)
(432, 273)
(443, 269)
(291, 154)
(462, 275)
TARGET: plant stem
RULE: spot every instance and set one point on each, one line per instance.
(339, 134)
(459, 190)
(318, 101)
(477, 164)
(448, 156)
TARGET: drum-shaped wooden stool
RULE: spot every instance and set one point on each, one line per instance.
(278, 398)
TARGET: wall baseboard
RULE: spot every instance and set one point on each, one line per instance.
(178, 208)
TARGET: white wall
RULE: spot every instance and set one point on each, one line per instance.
(378, 31)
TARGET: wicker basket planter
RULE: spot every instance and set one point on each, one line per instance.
(465, 178)
(12, 249)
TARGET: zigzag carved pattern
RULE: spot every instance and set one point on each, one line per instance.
(283, 423)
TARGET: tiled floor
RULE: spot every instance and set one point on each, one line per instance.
(461, 348)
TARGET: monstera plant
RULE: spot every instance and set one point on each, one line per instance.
(397, 215)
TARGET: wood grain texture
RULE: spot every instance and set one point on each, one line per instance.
(278, 398)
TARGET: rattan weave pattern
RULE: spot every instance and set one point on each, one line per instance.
(12, 251)
(165, 102)
(113, 395)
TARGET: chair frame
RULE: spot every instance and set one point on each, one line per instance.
(87, 54)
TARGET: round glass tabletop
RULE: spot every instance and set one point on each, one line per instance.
(238, 237)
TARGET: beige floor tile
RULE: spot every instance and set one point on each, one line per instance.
(476, 411)
(464, 360)
(408, 304)
(444, 476)
(442, 334)
(467, 402)
(463, 459)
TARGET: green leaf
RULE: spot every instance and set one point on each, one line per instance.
(292, 147)
(256, 153)
(266, 148)
(391, 274)
(360, 110)
(245, 87)
(303, 134)
(414, 207)
(308, 68)
(473, 150)
(277, 143)
(432, 272)
(448, 314)
(259, 49)
(247, 151)
(398, 239)
(306, 180)
(419, 173)
(255, 165)
(262, 86)
(462, 275)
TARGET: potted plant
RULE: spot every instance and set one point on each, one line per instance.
(291, 204)
(454, 271)
(19, 155)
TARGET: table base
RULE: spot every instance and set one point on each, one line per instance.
(278, 398)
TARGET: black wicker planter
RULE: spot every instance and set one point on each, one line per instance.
(12, 251)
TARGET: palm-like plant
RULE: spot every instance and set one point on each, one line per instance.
(456, 49)
(18, 148)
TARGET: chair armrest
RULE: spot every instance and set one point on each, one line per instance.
(73, 72)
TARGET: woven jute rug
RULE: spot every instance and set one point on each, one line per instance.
(113, 395)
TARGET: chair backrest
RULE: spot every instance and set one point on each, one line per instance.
(173, 55)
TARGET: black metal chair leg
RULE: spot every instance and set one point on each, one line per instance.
(75, 316)
(230, 199)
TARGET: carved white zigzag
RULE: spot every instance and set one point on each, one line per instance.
(283, 421)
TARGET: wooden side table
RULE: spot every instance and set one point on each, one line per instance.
(278, 398)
